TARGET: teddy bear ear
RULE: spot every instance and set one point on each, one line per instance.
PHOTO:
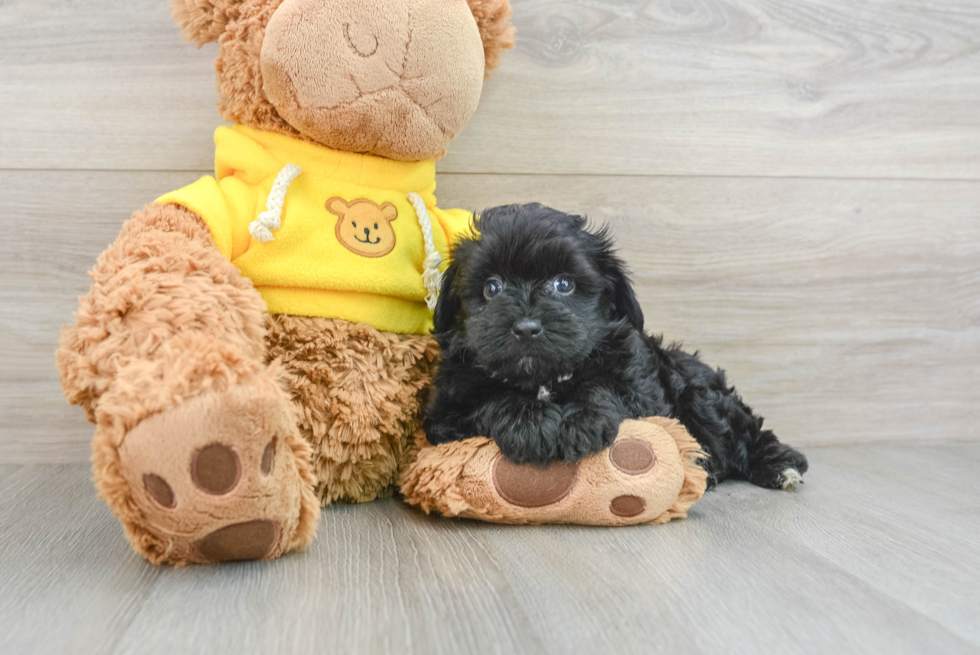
(203, 21)
(389, 212)
(493, 19)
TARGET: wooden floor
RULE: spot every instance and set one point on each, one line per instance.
(877, 553)
(796, 185)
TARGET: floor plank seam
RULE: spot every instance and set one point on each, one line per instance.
(707, 176)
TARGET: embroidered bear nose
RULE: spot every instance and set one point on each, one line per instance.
(527, 329)
(367, 232)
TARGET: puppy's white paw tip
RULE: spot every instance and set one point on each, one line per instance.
(791, 478)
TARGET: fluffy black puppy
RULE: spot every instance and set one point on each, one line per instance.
(543, 350)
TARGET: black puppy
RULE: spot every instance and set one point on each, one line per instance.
(543, 350)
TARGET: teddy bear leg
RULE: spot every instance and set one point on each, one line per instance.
(361, 392)
(196, 448)
(650, 474)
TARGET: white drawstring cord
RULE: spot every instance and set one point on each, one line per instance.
(431, 276)
(271, 219)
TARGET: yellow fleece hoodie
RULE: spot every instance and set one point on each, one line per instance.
(327, 233)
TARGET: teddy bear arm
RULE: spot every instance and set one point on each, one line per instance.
(162, 277)
(196, 448)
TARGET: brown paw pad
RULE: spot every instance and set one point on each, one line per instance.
(524, 485)
(216, 469)
(240, 541)
(159, 490)
(269, 457)
(632, 456)
(627, 506)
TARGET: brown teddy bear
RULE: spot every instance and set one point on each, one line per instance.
(256, 344)
(245, 353)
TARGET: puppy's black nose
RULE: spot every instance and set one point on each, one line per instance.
(527, 329)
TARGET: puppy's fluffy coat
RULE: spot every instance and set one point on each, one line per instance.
(544, 351)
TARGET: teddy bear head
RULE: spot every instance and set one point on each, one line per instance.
(393, 78)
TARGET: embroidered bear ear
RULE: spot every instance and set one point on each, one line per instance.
(389, 212)
(337, 206)
(203, 21)
(493, 19)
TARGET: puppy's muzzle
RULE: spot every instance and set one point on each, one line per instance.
(527, 329)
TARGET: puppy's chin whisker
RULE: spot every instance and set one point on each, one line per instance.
(526, 365)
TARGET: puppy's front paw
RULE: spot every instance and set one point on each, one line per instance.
(530, 437)
(444, 432)
(584, 435)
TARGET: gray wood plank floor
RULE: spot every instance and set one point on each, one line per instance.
(878, 553)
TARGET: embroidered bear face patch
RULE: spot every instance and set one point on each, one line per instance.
(363, 226)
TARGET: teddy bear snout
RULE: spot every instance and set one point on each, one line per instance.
(361, 39)
(395, 78)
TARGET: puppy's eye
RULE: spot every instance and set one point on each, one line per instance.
(563, 285)
(493, 287)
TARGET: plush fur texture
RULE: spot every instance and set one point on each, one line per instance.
(544, 351)
(359, 393)
(147, 289)
(203, 21)
(493, 20)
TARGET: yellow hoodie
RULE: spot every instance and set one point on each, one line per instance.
(327, 233)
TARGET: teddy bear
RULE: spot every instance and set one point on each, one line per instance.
(268, 325)
(256, 345)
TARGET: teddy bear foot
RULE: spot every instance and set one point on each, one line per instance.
(221, 477)
(649, 475)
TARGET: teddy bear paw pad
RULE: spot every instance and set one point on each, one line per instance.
(213, 478)
(240, 541)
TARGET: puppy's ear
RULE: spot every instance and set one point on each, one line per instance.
(449, 305)
(624, 302)
(204, 21)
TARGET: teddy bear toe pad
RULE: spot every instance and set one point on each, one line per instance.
(632, 456)
(212, 478)
(240, 541)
